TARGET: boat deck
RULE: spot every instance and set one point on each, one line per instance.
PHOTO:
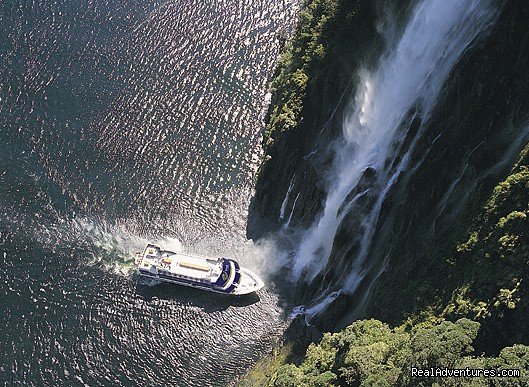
(200, 268)
(221, 275)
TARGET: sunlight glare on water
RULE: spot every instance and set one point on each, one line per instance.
(122, 123)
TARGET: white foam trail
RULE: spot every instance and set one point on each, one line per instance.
(171, 244)
(410, 76)
(110, 245)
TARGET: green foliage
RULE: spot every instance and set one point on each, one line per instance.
(325, 379)
(321, 357)
(507, 298)
(488, 285)
(470, 244)
(372, 348)
(443, 345)
(497, 251)
(287, 376)
(511, 193)
(462, 305)
(484, 278)
(300, 57)
(516, 356)
(263, 371)
(370, 353)
(478, 270)
(317, 67)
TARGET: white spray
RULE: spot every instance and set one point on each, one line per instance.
(408, 77)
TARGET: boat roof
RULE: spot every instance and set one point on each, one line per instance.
(184, 264)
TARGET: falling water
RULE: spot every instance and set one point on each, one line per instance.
(287, 197)
(403, 89)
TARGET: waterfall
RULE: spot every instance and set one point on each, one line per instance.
(285, 201)
(292, 211)
(377, 139)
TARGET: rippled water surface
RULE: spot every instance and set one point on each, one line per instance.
(123, 122)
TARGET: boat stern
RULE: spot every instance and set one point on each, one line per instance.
(138, 257)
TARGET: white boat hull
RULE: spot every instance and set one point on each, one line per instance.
(220, 275)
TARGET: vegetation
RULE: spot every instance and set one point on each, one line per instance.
(262, 372)
(464, 253)
(494, 261)
(370, 353)
(300, 57)
(318, 67)
(462, 291)
(490, 289)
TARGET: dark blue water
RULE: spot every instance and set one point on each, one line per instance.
(123, 122)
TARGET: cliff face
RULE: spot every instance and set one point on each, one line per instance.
(451, 240)
(314, 79)
(489, 275)
(481, 122)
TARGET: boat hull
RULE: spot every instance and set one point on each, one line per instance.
(255, 283)
(220, 275)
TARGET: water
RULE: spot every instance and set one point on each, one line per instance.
(121, 123)
(377, 141)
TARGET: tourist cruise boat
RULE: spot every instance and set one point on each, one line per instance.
(220, 275)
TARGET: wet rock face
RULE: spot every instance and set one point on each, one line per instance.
(467, 145)
(478, 128)
(301, 153)
(273, 187)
